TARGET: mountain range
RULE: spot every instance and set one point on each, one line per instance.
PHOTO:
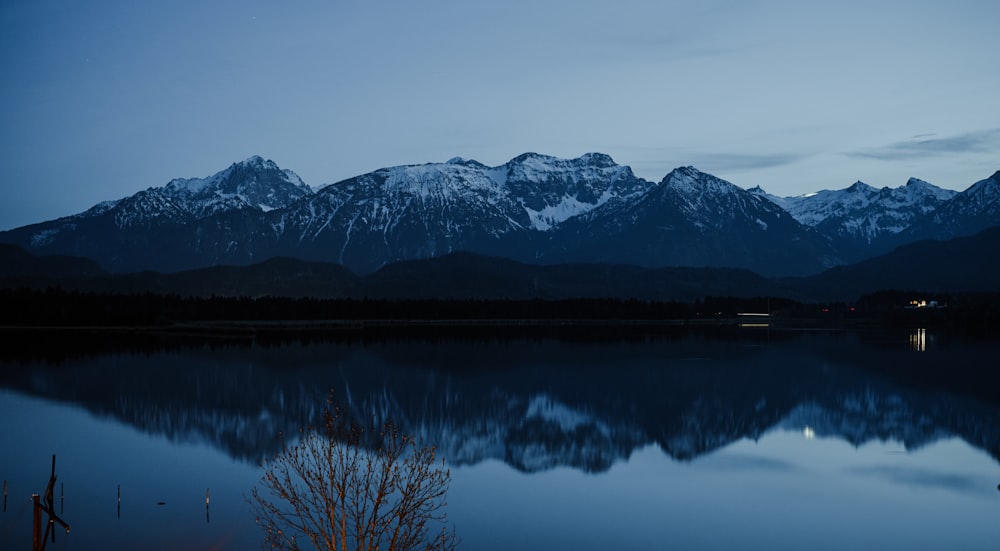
(534, 209)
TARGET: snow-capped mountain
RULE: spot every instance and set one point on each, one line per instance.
(252, 184)
(553, 190)
(695, 219)
(429, 210)
(864, 219)
(534, 208)
(968, 212)
(168, 228)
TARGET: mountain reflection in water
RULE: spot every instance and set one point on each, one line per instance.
(538, 404)
(714, 439)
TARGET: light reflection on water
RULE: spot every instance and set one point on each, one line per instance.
(918, 340)
(685, 443)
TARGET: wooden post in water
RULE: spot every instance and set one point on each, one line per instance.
(206, 505)
(62, 497)
(37, 539)
(49, 498)
(119, 501)
(36, 523)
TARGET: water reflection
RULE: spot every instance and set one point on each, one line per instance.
(540, 404)
(763, 439)
(918, 340)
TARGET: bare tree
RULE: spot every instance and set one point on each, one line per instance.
(339, 489)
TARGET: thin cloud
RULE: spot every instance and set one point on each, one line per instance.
(740, 161)
(983, 141)
(669, 48)
(655, 162)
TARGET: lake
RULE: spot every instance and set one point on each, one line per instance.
(685, 439)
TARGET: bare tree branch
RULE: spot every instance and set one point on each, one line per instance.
(331, 490)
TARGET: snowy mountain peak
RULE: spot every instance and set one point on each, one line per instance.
(965, 213)
(472, 163)
(991, 183)
(688, 170)
(254, 183)
(688, 180)
(691, 174)
(984, 194)
(258, 164)
(600, 160)
(528, 156)
(916, 187)
(532, 166)
(258, 161)
(712, 203)
(553, 190)
(860, 187)
(681, 175)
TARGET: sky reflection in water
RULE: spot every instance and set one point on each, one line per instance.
(782, 492)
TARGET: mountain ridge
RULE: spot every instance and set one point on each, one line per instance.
(534, 208)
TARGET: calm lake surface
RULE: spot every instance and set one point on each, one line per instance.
(741, 439)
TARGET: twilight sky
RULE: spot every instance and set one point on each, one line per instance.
(100, 99)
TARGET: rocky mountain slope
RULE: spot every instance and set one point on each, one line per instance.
(695, 219)
(968, 212)
(424, 211)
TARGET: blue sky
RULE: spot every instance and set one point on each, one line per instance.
(100, 99)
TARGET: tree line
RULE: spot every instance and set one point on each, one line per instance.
(58, 307)
(54, 307)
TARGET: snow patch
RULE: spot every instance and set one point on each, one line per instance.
(552, 215)
(188, 186)
(568, 419)
(44, 237)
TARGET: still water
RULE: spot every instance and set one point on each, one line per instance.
(750, 439)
